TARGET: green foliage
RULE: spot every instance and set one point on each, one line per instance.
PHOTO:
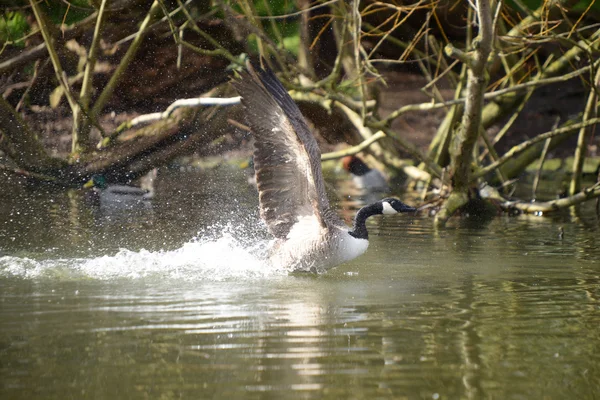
(67, 13)
(13, 27)
(285, 31)
(583, 5)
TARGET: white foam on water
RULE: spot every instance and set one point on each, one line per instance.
(212, 257)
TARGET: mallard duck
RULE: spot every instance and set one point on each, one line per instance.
(123, 196)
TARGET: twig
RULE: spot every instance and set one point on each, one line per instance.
(538, 173)
(219, 51)
(525, 145)
(125, 61)
(38, 51)
(488, 96)
(489, 146)
(23, 58)
(415, 152)
(52, 52)
(297, 13)
(27, 174)
(81, 127)
(536, 179)
(548, 206)
(365, 129)
(354, 149)
(582, 140)
(150, 27)
(36, 69)
(157, 116)
(202, 101)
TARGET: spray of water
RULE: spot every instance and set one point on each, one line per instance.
(218, 253)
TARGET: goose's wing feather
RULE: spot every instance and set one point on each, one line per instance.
(287, 158)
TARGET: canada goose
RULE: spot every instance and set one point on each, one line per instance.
(287, 160)
(365, 178)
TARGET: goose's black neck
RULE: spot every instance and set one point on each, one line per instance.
(359, 230)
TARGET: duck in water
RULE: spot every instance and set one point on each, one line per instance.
(365, 178)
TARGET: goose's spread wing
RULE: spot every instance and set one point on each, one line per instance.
(287, 158)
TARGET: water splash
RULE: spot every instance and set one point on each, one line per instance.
(212, 256)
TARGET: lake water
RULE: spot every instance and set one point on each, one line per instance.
(171, 300)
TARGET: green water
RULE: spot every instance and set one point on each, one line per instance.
(172, 301)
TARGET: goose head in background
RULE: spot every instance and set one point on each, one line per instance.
(365, 178)
(309, 234)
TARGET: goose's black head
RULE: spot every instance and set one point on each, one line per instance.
(386, 206)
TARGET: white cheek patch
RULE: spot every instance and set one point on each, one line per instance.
(388, 209)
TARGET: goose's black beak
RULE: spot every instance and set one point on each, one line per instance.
(405, 209)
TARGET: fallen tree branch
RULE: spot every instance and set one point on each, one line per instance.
(366, 133)
(27, 174)
(542, 206)
(157, 116)
(525, 145)
(22, 145)
(354, 149)
(200, 101)
(125, 61)
(487, 96)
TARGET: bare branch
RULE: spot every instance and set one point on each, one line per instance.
(525, 145)
(354, 149)
(127, 58)
(540, 207)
